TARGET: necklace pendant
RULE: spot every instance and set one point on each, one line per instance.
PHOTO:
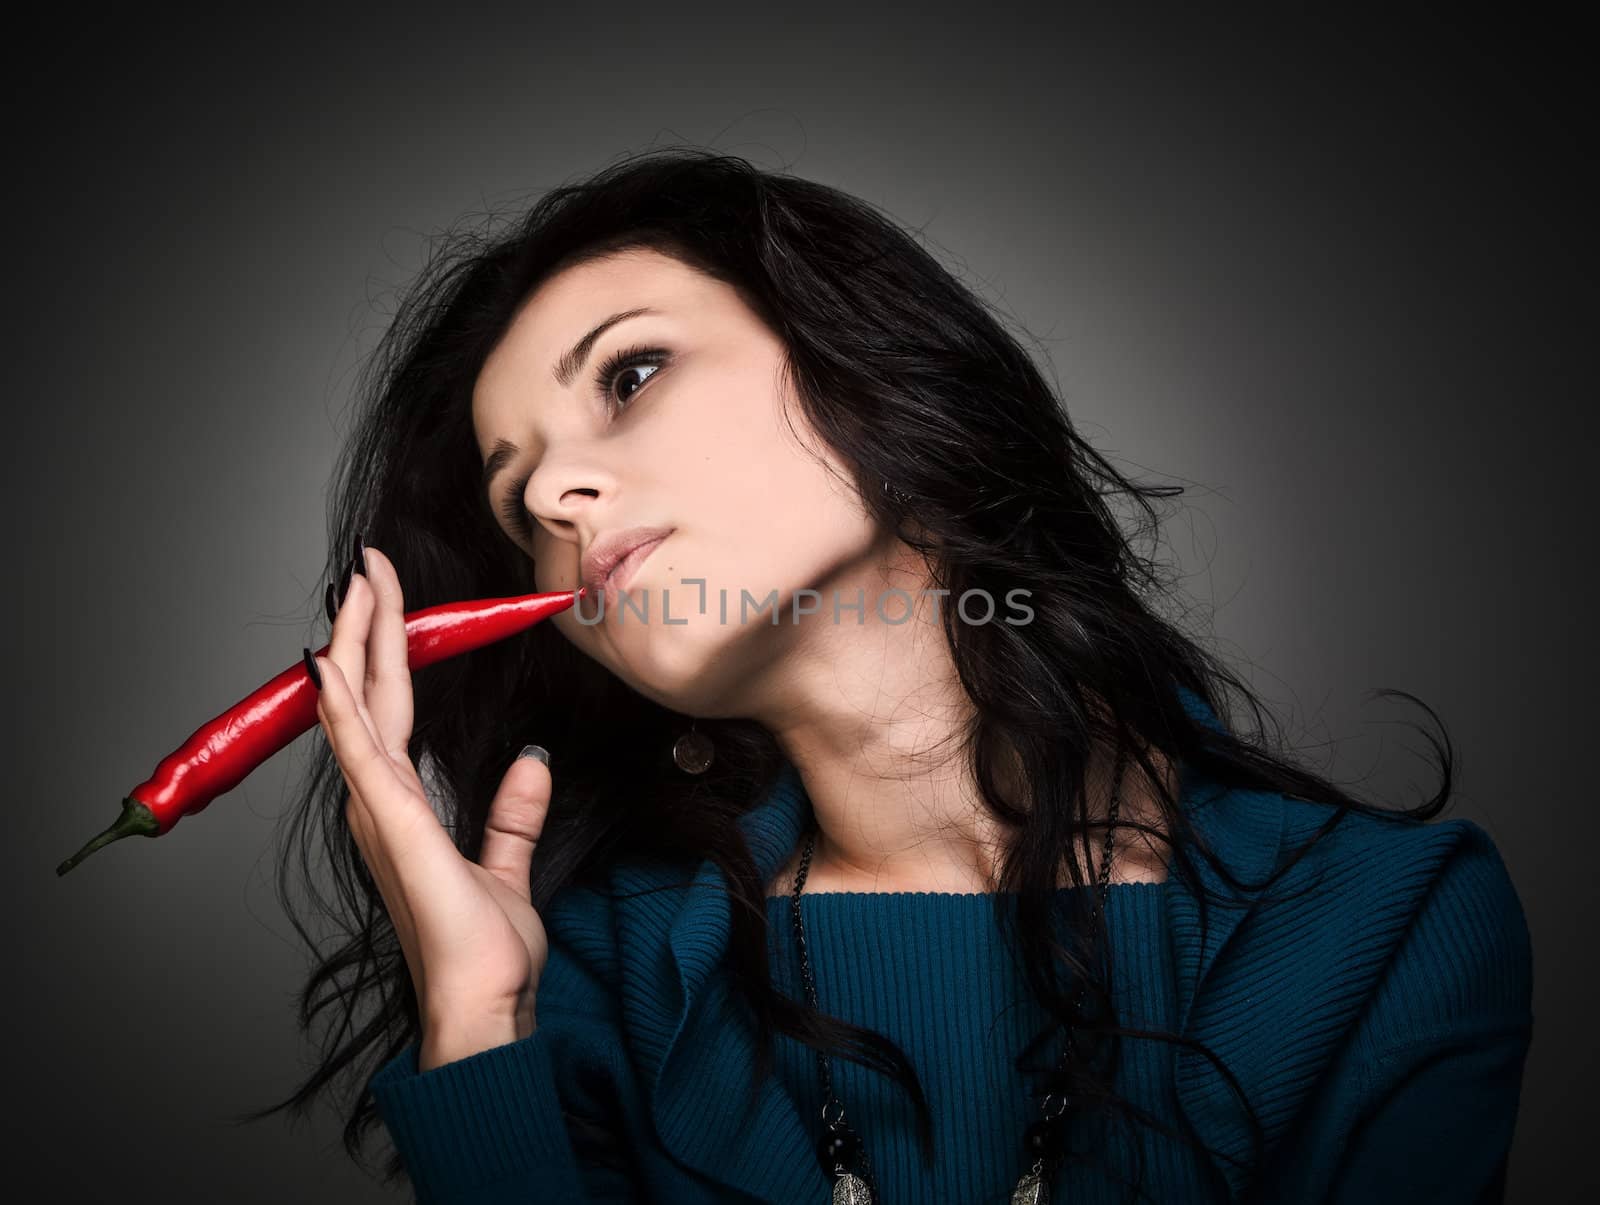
(1032, 1189)
(850, 1189)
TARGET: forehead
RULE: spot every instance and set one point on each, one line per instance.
(568, 305)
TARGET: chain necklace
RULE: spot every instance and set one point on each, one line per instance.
(840, 1147)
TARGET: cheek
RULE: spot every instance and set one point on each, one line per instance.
(780, 536)
(770, 515)
(555, 565)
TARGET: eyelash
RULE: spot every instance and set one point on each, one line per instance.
(511, 507)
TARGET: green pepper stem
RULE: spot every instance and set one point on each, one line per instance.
(136, 818)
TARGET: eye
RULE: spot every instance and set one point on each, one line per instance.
(622, 362)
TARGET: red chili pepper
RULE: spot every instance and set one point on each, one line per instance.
(223, 751)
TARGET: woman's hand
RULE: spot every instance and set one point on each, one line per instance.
(472, 941)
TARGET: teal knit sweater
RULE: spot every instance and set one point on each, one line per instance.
(1374, 1007)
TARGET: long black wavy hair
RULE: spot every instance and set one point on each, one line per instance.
(905, 372)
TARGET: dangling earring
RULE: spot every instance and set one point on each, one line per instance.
(693, 751)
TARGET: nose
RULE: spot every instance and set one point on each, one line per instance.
(566, 482)
(563, 517)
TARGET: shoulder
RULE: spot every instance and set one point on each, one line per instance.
(1443, 871)
(1381, 944)
(1435, 903)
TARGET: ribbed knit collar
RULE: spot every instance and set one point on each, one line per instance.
(691, 1043)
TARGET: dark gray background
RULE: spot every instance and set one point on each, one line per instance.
(1333, 277)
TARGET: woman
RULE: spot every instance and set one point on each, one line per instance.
(893, 844)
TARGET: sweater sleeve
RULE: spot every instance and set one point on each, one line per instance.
(544, 1118)
(1443, 1055)
(484, 1130)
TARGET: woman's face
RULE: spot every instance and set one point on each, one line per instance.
(691, 436)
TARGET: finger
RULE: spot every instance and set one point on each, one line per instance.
(347, 643)
(372, 778)
(516, 818)
(390, 825)
(388, 687)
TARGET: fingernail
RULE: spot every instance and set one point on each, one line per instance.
(349, 576)
(330, 600)
(312, 671)
(538, 751)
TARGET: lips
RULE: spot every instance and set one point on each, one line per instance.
(617, 579)
(613, 556)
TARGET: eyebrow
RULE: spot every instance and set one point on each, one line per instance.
(566, 369)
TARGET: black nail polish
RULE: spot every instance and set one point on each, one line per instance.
(330, 600)
(361, 555)
(344, 586)
(311, 669)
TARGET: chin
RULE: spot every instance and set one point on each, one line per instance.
(689, 667)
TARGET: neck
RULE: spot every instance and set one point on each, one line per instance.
(874, 720)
